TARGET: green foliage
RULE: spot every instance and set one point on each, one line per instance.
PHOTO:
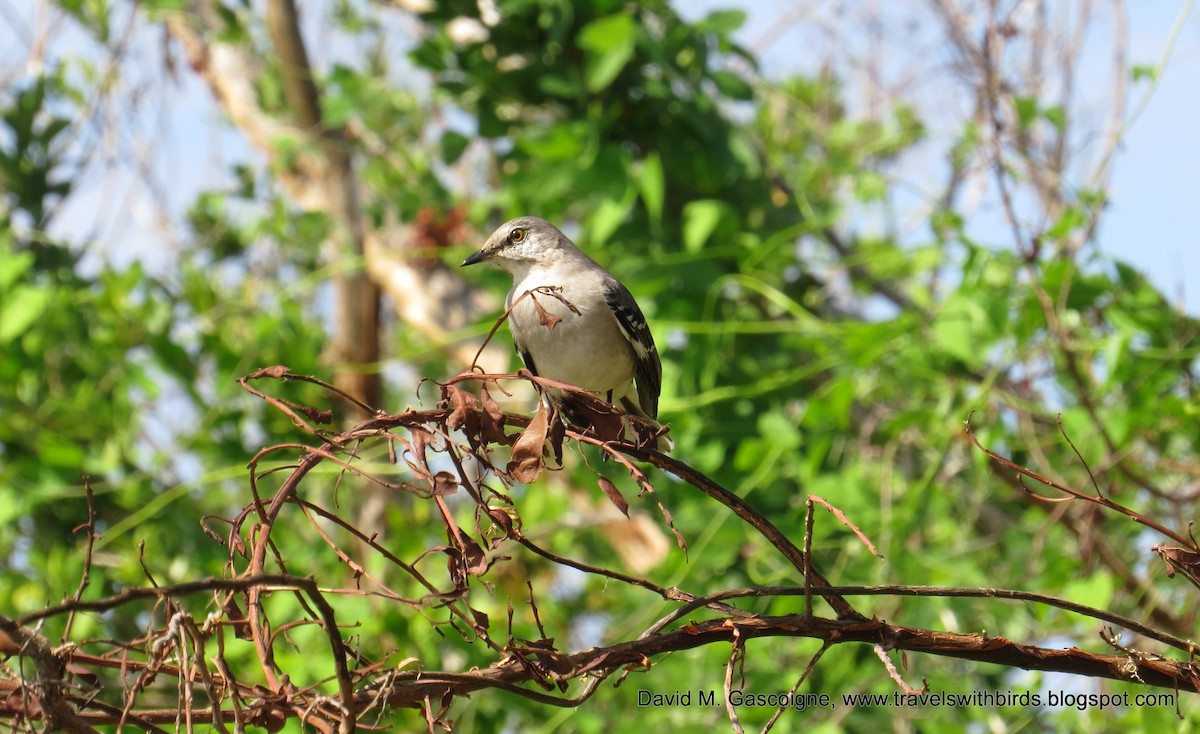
(127, 379)
(31, 148)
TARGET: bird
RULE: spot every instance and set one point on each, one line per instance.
(572, 321)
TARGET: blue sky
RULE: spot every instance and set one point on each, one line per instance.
(1155, 216)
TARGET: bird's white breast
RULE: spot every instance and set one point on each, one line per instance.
(585, 349)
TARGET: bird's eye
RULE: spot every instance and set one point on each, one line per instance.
(516, 235)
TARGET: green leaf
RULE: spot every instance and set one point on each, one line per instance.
(732, 85)
(743, 151)
(651, 182)
(453, 145)
(61, 451)
(157, 9)
(700, 218)
(337, 109)
(1027, 111)
(609, 42)
(24, 305)
(957, 327)
(606, 218)
(1056, 116)
(1095, 591)
(1143, 72)
(12, 266)
(870, 186)
(1071, 219)
(780, 430)
(722, 22)
(557, 142)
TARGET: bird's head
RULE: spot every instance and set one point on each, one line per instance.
(521, 242)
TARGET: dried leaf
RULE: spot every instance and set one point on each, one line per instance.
(504, 520)
(266, 716)
(557, 433)
(491, 419)
(671, 524)
(421, 438)
(474, 559)
(1180, 559)
(525, 463)
(546, 318)
(236, 617)
(444, 483)
(464, 413)
(320, 417)
(614, 495)
(276, 370)
(589, 412)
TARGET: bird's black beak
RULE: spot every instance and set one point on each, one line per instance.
(477, 257)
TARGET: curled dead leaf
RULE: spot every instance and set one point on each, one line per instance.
(421, 439)
(474, 560)
(546, 318)
(504, 520)
(464, 413)
(1182, 560)
(444, 483)
(491, 419)
(557, 433)
(614, 495)
(525, 464)
(276, 370)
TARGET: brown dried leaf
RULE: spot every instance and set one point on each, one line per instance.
(474, 560)
(603, 420)
(1180, 559)
(267, 716)
(557, 433)
(235, 615)
(444, 483)
(671, 524)
(546, 318)
(481, 619)
(464, 413)
(421, 438)
(614, 495)
(320, 417)
(492, 419)
(276, 370)
(504, 520)
(525, 464)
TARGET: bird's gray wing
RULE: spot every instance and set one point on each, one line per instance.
(647, 367)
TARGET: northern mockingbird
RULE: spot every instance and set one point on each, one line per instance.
(595, 336)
